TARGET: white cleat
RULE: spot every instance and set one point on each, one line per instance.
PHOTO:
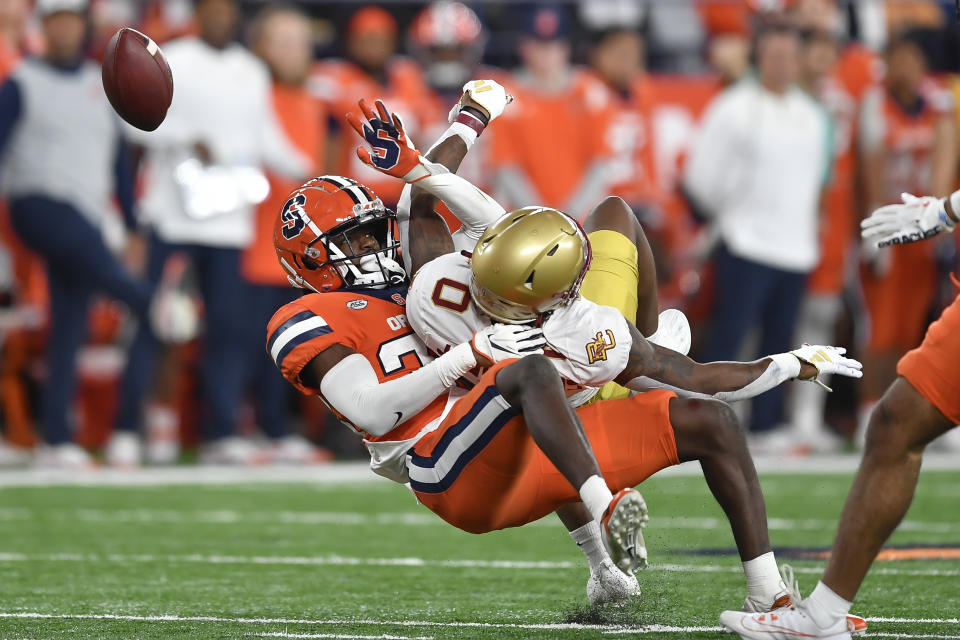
(11, 457)
(856, 625)
(609, 585)
(234, 451)
(785, 599)
(782, 624)
(67, 456)
(622, 529)
(673, 331)
(295, 449)
(124, 450)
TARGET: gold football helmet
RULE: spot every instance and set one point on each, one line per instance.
(528, 262)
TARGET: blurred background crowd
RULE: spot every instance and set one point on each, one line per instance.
(750, 136)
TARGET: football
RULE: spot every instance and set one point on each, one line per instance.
(137, 79)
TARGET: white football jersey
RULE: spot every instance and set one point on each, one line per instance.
(588, 343)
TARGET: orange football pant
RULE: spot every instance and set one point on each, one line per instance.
(481, 470)
(933, 368)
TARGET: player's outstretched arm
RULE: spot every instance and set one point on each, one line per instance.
(391, 152)
(349, 384)
(731, 381)
(914, 220)
(424, 233)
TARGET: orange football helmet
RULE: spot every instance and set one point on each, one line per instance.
(447, 38)
(313, 231)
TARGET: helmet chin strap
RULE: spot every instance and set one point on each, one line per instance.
(373, 270)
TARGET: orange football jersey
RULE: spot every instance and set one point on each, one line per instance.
(372, 323)
(628, 136)
(554, 138)
(304, 120)
(856, 72)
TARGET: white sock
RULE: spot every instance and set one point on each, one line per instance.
(763, 578)
(826, 607)
(588, 539)
(596, 496)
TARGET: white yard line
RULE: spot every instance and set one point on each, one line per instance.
(359, 472)
(608, 629)
(407, 518)
(917, 620)
(337, 560)
(343, 636)
(871, 634)
(560, 626)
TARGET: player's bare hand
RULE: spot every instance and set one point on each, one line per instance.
(390, 150)
(505, 341)
(817, 359)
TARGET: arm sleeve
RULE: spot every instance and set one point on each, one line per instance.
(783, 367)
(474, 208)
(10, 107)
(377, 407)
(403, 223)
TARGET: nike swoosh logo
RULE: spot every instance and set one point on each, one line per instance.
(399, 418)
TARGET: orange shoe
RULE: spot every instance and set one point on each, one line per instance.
(622, 528)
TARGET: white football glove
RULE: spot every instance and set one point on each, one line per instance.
(504, 341)
(914, 220)
(828, 360)
(488, 94)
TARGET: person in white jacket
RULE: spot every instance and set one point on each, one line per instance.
(203, 177)
(756, 170)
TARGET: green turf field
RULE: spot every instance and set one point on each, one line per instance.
(364, 561)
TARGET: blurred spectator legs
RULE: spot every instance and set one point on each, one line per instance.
(223, 361)
(271, 393)
(752, 295)
(78, 262)
(818, 318)
(899, 289)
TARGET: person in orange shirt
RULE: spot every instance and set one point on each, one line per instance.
(617, 61)
(13, 19)
(371, 70)
(281, 37)
(908, 144)
(447, 39)
(549, 148)
(837, 78)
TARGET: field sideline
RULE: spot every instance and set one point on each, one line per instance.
(329, 553)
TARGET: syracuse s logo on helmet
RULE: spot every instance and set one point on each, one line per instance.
(292, 216)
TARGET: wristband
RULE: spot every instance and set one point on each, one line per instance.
(454, 363)
(471, 118)
(955, 206)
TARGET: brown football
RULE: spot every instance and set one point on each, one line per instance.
(137, 79)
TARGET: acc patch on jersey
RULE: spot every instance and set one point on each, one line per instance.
(357, 304)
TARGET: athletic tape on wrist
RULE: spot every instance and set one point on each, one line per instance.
(454, 363)
(465, 133)
(466, 117)
(955, 206)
